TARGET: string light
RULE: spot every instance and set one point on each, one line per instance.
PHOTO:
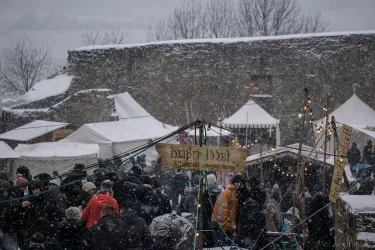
(197, 234)
(305, 169)
(309, 100)
(199, 205)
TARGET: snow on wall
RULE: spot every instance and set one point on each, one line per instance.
(359, 203)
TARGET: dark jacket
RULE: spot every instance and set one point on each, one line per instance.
(48, 230)
(137, 234)
(70, 234)
(354, 155)
(179, 183)
(82, 200)
(108, 233)
(191, 201)
(56, 204)
(251, 223)
(150, 206)
(72, 191)
(165, 205)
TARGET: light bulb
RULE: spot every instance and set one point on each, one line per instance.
(199, 205)
(305, 169)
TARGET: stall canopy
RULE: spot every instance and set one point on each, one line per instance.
(55, 156)
(7, 152)
(135, 127)
(32, 130)
(251, 115)
(355, 113)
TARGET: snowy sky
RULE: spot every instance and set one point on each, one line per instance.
(61, 23)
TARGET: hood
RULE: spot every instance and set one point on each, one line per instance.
(108, 223)
(214, 188)
(101, 198)
(129, 216)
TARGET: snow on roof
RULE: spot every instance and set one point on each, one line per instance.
(32, 130)
(57, 150)
(127, 107)
(360, 203)
(251, 114)
(132, 129)
(354, 112)
(226, 40)
(7, 152)
(46, 88)
(366, 236)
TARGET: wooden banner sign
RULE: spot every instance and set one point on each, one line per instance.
(340, 162)
(213, 158)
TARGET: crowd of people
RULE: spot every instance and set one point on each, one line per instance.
(113, 211)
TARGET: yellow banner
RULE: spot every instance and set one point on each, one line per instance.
(339, 169)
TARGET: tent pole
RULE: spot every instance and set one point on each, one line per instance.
(324, 168)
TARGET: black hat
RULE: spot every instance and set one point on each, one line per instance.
(5, 176)
(238, 178)
(37, 238)
(150, 198)
(146, 179)
(79, 166)
(35, 185)
(23, 170)
(136, 170)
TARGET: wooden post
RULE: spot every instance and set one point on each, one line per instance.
(200, 204)
(301, 168)
(324, 168)
(261, 164)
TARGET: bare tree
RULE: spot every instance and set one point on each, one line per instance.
(100, 38)
(220, 19)
(24, 64)
(229, 18)
(276, 17)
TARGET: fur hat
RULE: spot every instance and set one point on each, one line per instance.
(87, 186)
(73, 213)
(106, 186)
(21, 181)
(238, 178)
(55, 181)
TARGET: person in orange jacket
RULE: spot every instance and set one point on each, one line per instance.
(92, 212)
(225, 211)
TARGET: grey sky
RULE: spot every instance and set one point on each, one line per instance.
(61, 23)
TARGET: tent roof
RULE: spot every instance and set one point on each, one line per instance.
(57, 150)
(132, 129)
(32, 130)
(250, 115)
(354, 112)
(127, 107)
(213, 132)
(7, 152)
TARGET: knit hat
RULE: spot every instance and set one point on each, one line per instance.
(79, 166)
(55, 181)
(211, 180)
(23, 170)
(87, 186)
(73, 213)
(106, 186)
(21, 181)
(238, 178)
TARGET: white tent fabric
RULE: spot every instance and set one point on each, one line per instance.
(355, 113)
(213, 132)
(7, 152)
(251, 115)
(32, 130)
(60, 156)
(136, 127)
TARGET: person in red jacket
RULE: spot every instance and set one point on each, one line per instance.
(92, 212)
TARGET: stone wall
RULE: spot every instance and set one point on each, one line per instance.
(212, 75)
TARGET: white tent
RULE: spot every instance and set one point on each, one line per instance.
(355, 113)
(60, 156)
(7, 152)
(135, 127)
(251, 115)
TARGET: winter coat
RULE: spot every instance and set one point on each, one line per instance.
(367, 152)
(179, 183)
(82, 200)
(107, 234)
(70, 233)
(92, 212)
(354, 155)
(150, 206)
(37, 208)
(273, 216)
(165, 205)
(138, 236)
(6, 212)
(225, 209)
(191, 201)
(74, 190)
(56, 204)
(209, 199)
(124, 187)
(18, 215)
(251, 223)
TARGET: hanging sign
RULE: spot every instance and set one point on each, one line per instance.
(221, 159)
(340, 163)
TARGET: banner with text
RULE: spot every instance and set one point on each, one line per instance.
(213, 158)
(340, 162)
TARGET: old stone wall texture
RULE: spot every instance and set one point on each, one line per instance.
(212, 76)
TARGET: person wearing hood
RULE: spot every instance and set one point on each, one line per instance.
(191, 201)
(273, 214)
(319, 225)
(71, 231)
(104, 196)
(138, 236)
(56, 202)
(83, 199)
(107, 233)
(276, 193)
(252, 222)
(211, 191)
(225, 211)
